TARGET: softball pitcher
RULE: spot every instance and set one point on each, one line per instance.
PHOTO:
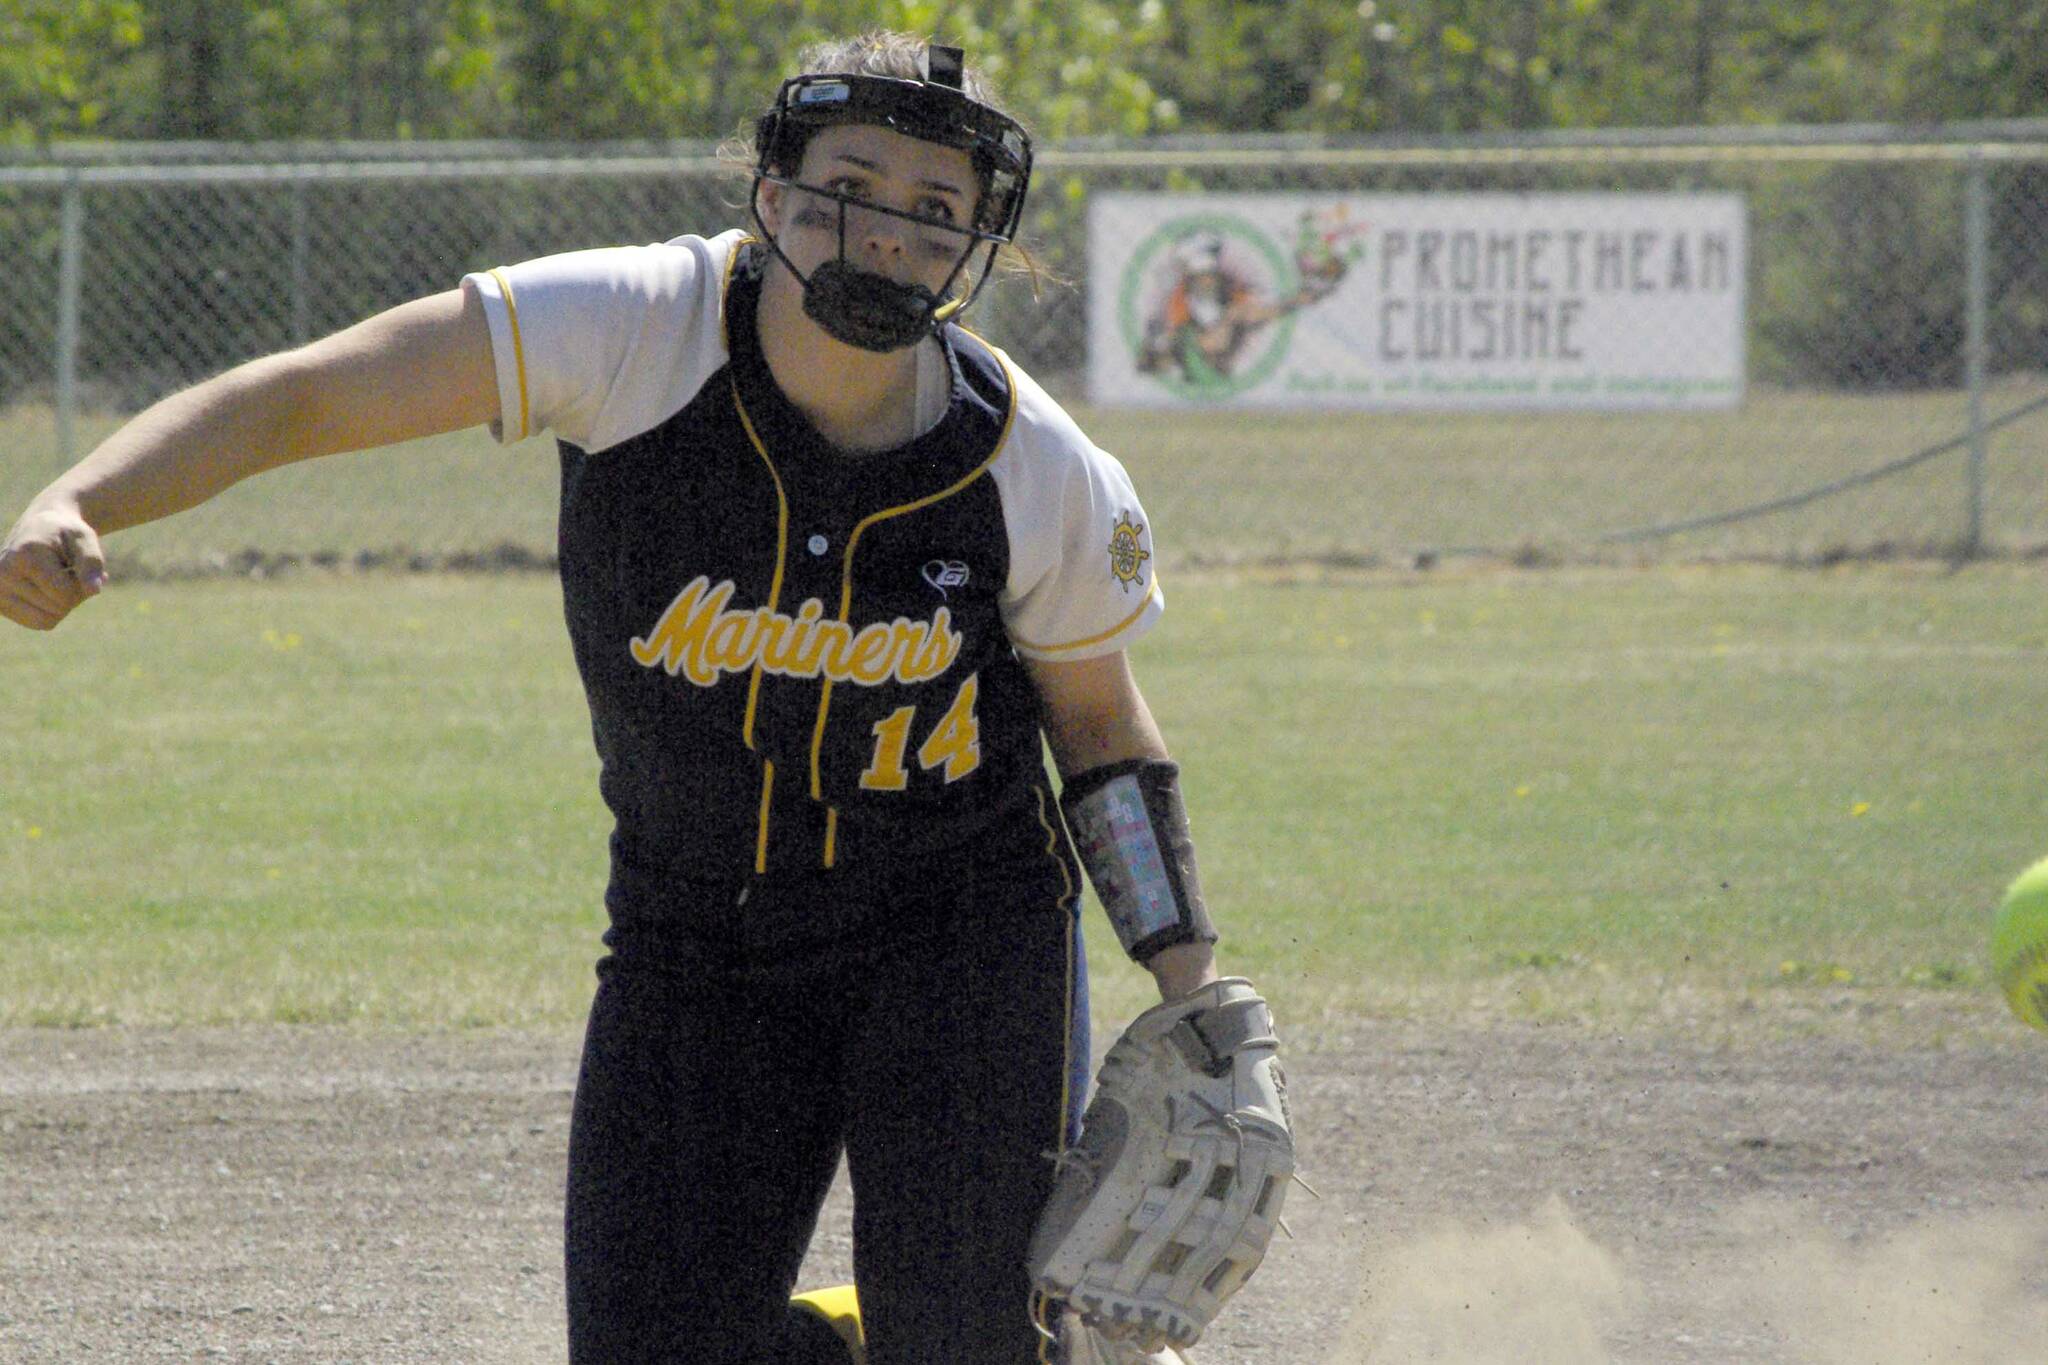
(831, 566)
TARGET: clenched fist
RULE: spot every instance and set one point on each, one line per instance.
(49, 563)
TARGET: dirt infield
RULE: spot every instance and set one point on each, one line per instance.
(1490, 1195)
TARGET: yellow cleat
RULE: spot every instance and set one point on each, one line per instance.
(840, 1310)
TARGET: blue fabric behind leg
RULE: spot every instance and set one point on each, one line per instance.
(1080, 1032)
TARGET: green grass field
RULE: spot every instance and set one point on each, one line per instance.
(1600, 794)
(1239, 488)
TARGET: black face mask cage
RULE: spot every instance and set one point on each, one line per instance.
(971, 239)
(934, 110)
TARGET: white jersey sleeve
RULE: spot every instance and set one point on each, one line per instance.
(599, 346)
(1083, 577)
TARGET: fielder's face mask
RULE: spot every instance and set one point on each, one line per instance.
(858, 306)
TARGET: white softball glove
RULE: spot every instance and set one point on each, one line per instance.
(1165, 1206)
(1083, 1344)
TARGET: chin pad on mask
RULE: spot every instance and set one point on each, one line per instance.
(867, 310)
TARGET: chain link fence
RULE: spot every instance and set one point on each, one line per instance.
(1893, 344)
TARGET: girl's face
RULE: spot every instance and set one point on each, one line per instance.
(889, 170)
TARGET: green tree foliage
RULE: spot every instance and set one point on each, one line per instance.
(1844, 297)
(582, 69)
(57, 60)
(1970, 59)
(654, 68)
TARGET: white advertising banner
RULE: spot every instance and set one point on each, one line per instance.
(1417, 301)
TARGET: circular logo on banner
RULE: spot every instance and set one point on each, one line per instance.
(1196, 305)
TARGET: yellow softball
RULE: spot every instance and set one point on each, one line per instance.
(2019, 945)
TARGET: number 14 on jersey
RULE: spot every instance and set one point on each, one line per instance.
(954, 743)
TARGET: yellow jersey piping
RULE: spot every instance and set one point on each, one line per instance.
(852, 541)
(767, 796)
(1039, 1304)
(1066, 905)
(781, 553)
(518, 350)
(1151, 590)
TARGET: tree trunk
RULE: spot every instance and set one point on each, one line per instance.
(1706, 36)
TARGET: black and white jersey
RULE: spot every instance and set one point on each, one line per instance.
(800, 659)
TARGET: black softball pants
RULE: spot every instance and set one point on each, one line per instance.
(935, 1032)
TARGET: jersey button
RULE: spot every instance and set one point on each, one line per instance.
(817, 545)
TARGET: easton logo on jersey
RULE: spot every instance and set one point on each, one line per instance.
(702, 638)
(1126, 555)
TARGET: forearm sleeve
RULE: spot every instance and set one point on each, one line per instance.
(1130, 828)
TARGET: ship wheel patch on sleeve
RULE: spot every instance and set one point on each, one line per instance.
(1126, 555)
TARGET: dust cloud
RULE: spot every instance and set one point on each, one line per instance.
(1768, 1284)
(1954, 1289)
(1536, 1291)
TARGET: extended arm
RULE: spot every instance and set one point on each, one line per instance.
(418, 370)
(1096, 717)
(1190, 1096)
